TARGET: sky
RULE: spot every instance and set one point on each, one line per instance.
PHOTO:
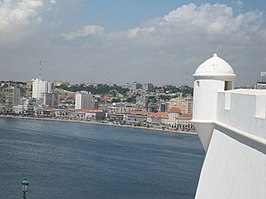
(118, 41)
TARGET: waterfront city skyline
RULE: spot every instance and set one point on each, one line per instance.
(118, 41)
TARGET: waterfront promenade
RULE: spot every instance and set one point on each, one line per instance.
(101, 123)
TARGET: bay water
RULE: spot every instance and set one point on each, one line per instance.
(79, 161)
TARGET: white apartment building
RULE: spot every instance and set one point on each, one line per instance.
(84, 101)
(39, 87)
(12, 94)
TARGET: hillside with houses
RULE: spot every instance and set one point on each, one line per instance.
(134, 104)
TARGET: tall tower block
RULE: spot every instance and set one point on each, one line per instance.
(211, 76)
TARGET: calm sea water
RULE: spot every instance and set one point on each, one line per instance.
(76, 160)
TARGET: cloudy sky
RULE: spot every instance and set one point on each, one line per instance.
(118, 41)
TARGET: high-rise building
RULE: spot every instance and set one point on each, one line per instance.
(263, 77)
(148, 87)
(84, 101)
(262, 83)
(12, 94)
(39, 87)
(163, 107)
(135, 85)
(50, 100)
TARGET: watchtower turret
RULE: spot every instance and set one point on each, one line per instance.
(211, 76)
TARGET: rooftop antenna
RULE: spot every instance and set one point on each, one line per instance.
(186, 79)
(40, 70)
(108, 78)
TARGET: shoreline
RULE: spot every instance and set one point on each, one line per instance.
(99, 123)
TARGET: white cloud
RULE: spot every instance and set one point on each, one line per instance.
(181, 14)
(137, 31)
(189, 33)
(202, 23)
(17, 13)
(53, 2)
(14, 15)
(167, 47)
(217, 19)
(195, 30)
(88, 30)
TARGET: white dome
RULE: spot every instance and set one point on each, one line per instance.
(214, 66)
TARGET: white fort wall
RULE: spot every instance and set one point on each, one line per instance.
(232, 170)
(244, 110)
(232, 128)
(235, 163)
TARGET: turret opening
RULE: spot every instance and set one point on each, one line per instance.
(228, 85)
(198, 83)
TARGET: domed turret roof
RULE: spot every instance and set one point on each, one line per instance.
(215, 66)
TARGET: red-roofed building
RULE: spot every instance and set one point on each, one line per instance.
(173, 114)
(158, 119)
(173, 119)
(179, 120)
(183, 122)
(138, 118)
